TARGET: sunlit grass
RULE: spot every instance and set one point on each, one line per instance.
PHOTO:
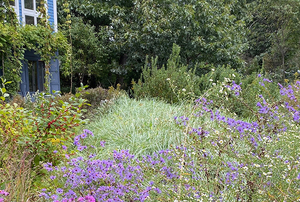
(141, 126)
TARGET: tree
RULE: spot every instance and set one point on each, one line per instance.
(274, 36)
(207, 31)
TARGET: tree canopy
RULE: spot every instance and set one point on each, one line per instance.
(124, 32)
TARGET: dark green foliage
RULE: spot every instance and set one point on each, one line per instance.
(172, 83)
(274, 37)
(207, 31)
(88, 54)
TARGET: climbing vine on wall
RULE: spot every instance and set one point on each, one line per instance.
(16, 38)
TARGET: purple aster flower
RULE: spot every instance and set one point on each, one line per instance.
(83, 135)
(52, 177)
(88, 132)
(2, 192)
(102, 143)
(54, 197)
(77, 138)
(59, 190)
(158, 190)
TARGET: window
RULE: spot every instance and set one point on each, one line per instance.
(30, 11)
(29, 20)
(12, 3)
(15, 5)
(29, 4)
(36, 73)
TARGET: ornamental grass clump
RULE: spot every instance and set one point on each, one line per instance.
(142, 126)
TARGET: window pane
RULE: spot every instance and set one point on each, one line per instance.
(41, 75)
(29, 4)
(12, 2)
(29, 20)
(32, 70)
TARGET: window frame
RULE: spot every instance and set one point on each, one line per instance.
(33, 13)
(16, 8)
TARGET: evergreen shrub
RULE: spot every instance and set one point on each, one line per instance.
(172, 83)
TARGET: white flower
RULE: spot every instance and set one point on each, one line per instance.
(256, 165)
(183, 90)
(210, 80)
(168, 79)
(233, 75)
(213, 84)
(213, 70)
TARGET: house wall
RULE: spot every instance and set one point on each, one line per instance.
(29, 55)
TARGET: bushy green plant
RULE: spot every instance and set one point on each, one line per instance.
(35, 134)
(217, 75)
(3, 90)
(172, 83)
(97, 99)
(232, 159)
(217, 85)
(100, 99)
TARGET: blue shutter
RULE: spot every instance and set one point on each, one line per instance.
(54, 75)
(51, 11)
(20, 10)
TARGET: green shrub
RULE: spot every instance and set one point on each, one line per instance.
(218, 75)
(32, 135)
(216, 84)
(171, 83)
(97, 99)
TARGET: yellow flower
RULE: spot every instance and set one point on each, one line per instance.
(54, 140)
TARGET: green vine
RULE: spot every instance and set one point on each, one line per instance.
(15, 39)
(11, 47)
